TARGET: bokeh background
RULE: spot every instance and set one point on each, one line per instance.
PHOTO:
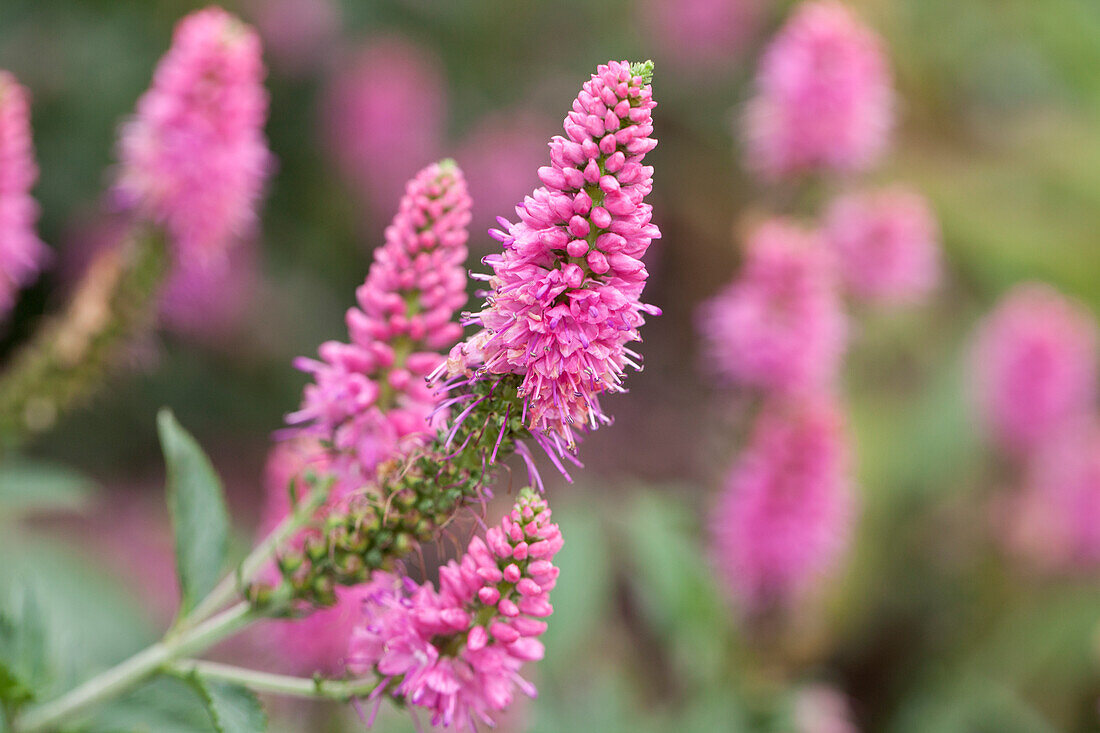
(929, 625)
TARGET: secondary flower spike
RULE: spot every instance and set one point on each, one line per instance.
(368, 398)
(194, 158)
(458, 651)
(564, 294)
(22, 254)
(824, 97)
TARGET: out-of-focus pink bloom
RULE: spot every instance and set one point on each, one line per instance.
(385, 116)
(369, 398)
(317, 642)
(701, 34)
(1056, 519)
(201, 299)
(500, 157)
(785, 516)
(887, 244)
(564, 299)
(1034, 366)
(458, 651)
(22, 254)
(824, 98)
(821, 708)
(780, 324)
(298, 34)
(194, 158)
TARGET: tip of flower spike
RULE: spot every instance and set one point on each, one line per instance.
(643, 69)
(448, 165)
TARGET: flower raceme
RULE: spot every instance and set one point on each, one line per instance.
(368, 398)
(780, 325)
(458, 651)
(194, 158)
(824, 99)
(563, 299)
(22, 254)
(1034, 367)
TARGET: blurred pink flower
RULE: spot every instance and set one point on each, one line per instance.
(1056, 519)
(385, 115)
(701, 35)
(565, 291)
(458, 651)
(887, 244)
(369, 398)
(785, 516)
(1034, 366)
(22, 254)
(500, 157)
(194, 157)
(780, 324)
(298, 34)
(821, 708)
(824, 98)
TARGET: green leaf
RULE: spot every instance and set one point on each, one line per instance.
(234, 709)
(27, 486)
(23, 653)
(163, 705)
(197, 507)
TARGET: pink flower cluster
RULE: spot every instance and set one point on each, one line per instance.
(369, 398)
(384, 116)
(785, 516)
(886, 244)
(458, 651)
(22, 254)
(780, 325)
(1034, 367)
(564, 299)
(824, 98)
(194, 157)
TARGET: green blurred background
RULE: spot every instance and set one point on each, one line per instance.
(929, 628)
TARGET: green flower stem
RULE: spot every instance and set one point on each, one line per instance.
(235, 583)
(71, 352)
(315, 688)
(125, 676)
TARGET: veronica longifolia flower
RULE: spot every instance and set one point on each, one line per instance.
(194, 158)
(780, 325)
(824, 98)
(886, 243)
(564, 294)
(22, 254)
(1034, 366)
(458, 651)
(785, 516)
(368, 398)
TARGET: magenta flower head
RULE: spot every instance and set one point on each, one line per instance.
(22, 254)
(1056, 520)
(369, 398)
(886, 243)
(1034, 366)
(564, 294)
(458, 652)
(785, 516)
(780, 325)
(194, 158)
(824, 99)
(384, 116)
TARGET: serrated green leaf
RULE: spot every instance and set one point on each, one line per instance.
(164, 705)
(233, 709)
(27, 486)
(196, 503)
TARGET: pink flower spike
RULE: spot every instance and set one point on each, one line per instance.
(785, 516)
(22, 254)
(462, 677)
(886, 244)
(780, 325)
(194, 158)
(824, 97)
(1034, 366)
